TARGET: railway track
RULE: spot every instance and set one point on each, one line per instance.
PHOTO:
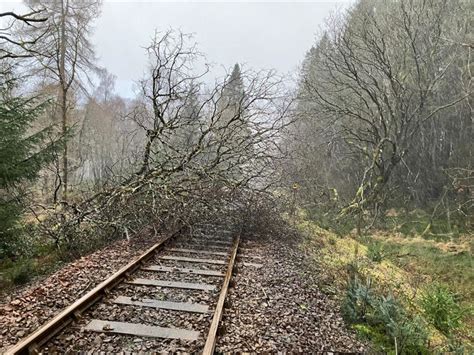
(171, 298)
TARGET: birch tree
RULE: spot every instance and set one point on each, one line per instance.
(65, 57)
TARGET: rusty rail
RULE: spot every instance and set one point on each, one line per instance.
(32, 343)
(212, 335)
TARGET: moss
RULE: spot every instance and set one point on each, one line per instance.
(378, 339)
(408, 264)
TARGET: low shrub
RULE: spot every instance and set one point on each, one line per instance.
(383, 319)
(375, 252)
(19, 272)
(358, 301)
(441, 308)
(407, 333)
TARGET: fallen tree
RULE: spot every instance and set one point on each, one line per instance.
(205, 149)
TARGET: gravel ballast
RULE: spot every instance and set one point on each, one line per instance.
(24, 310)
(278, 307)
(273, 304)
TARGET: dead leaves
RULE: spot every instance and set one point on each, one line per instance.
(24, 311)
(275, 308)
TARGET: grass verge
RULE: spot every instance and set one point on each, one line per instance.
(400, 287)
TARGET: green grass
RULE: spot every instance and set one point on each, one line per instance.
(415, 222)
(431, 264)
(442, 308)
(424, 258)
(403, 265)
(419, 222)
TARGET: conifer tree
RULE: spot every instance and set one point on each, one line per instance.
(24, 151)
(234, 127)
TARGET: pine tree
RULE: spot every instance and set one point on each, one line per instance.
(233, 126)
(189, 122)
(23, 153)
(235, 89)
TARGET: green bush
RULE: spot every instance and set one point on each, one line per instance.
(20, 272)
(407, 333)
(37, 258)
(358, 300)
(375, 252)
(383, 319)
(441, 308)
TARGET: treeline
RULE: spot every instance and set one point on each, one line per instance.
(385, 118)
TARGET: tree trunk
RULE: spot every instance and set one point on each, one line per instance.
(64, 88)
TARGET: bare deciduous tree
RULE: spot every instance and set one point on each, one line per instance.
(65, 56)
(13, 46)
(377, 83)
(173, 178)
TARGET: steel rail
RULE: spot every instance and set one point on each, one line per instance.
(212, 335)
(32, 343)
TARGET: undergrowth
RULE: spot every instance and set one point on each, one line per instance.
(40, 260)
(383, 319)
(36, 255)
(409, 223)
(442, 308)
(390, 297)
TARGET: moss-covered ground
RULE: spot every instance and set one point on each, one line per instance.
(403, 265)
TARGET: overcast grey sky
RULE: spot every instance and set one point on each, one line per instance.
(261, 35)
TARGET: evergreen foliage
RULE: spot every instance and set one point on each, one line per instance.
(442, 308)
(383, 319)
(24, 151)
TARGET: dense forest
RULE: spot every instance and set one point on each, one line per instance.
(370, 147)
(385, 113)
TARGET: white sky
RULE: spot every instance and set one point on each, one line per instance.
(261, 35)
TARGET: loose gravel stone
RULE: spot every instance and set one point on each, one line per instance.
(25, 310)
(275, 307)
(278, 307)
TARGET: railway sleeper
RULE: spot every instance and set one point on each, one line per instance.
(136, 329)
